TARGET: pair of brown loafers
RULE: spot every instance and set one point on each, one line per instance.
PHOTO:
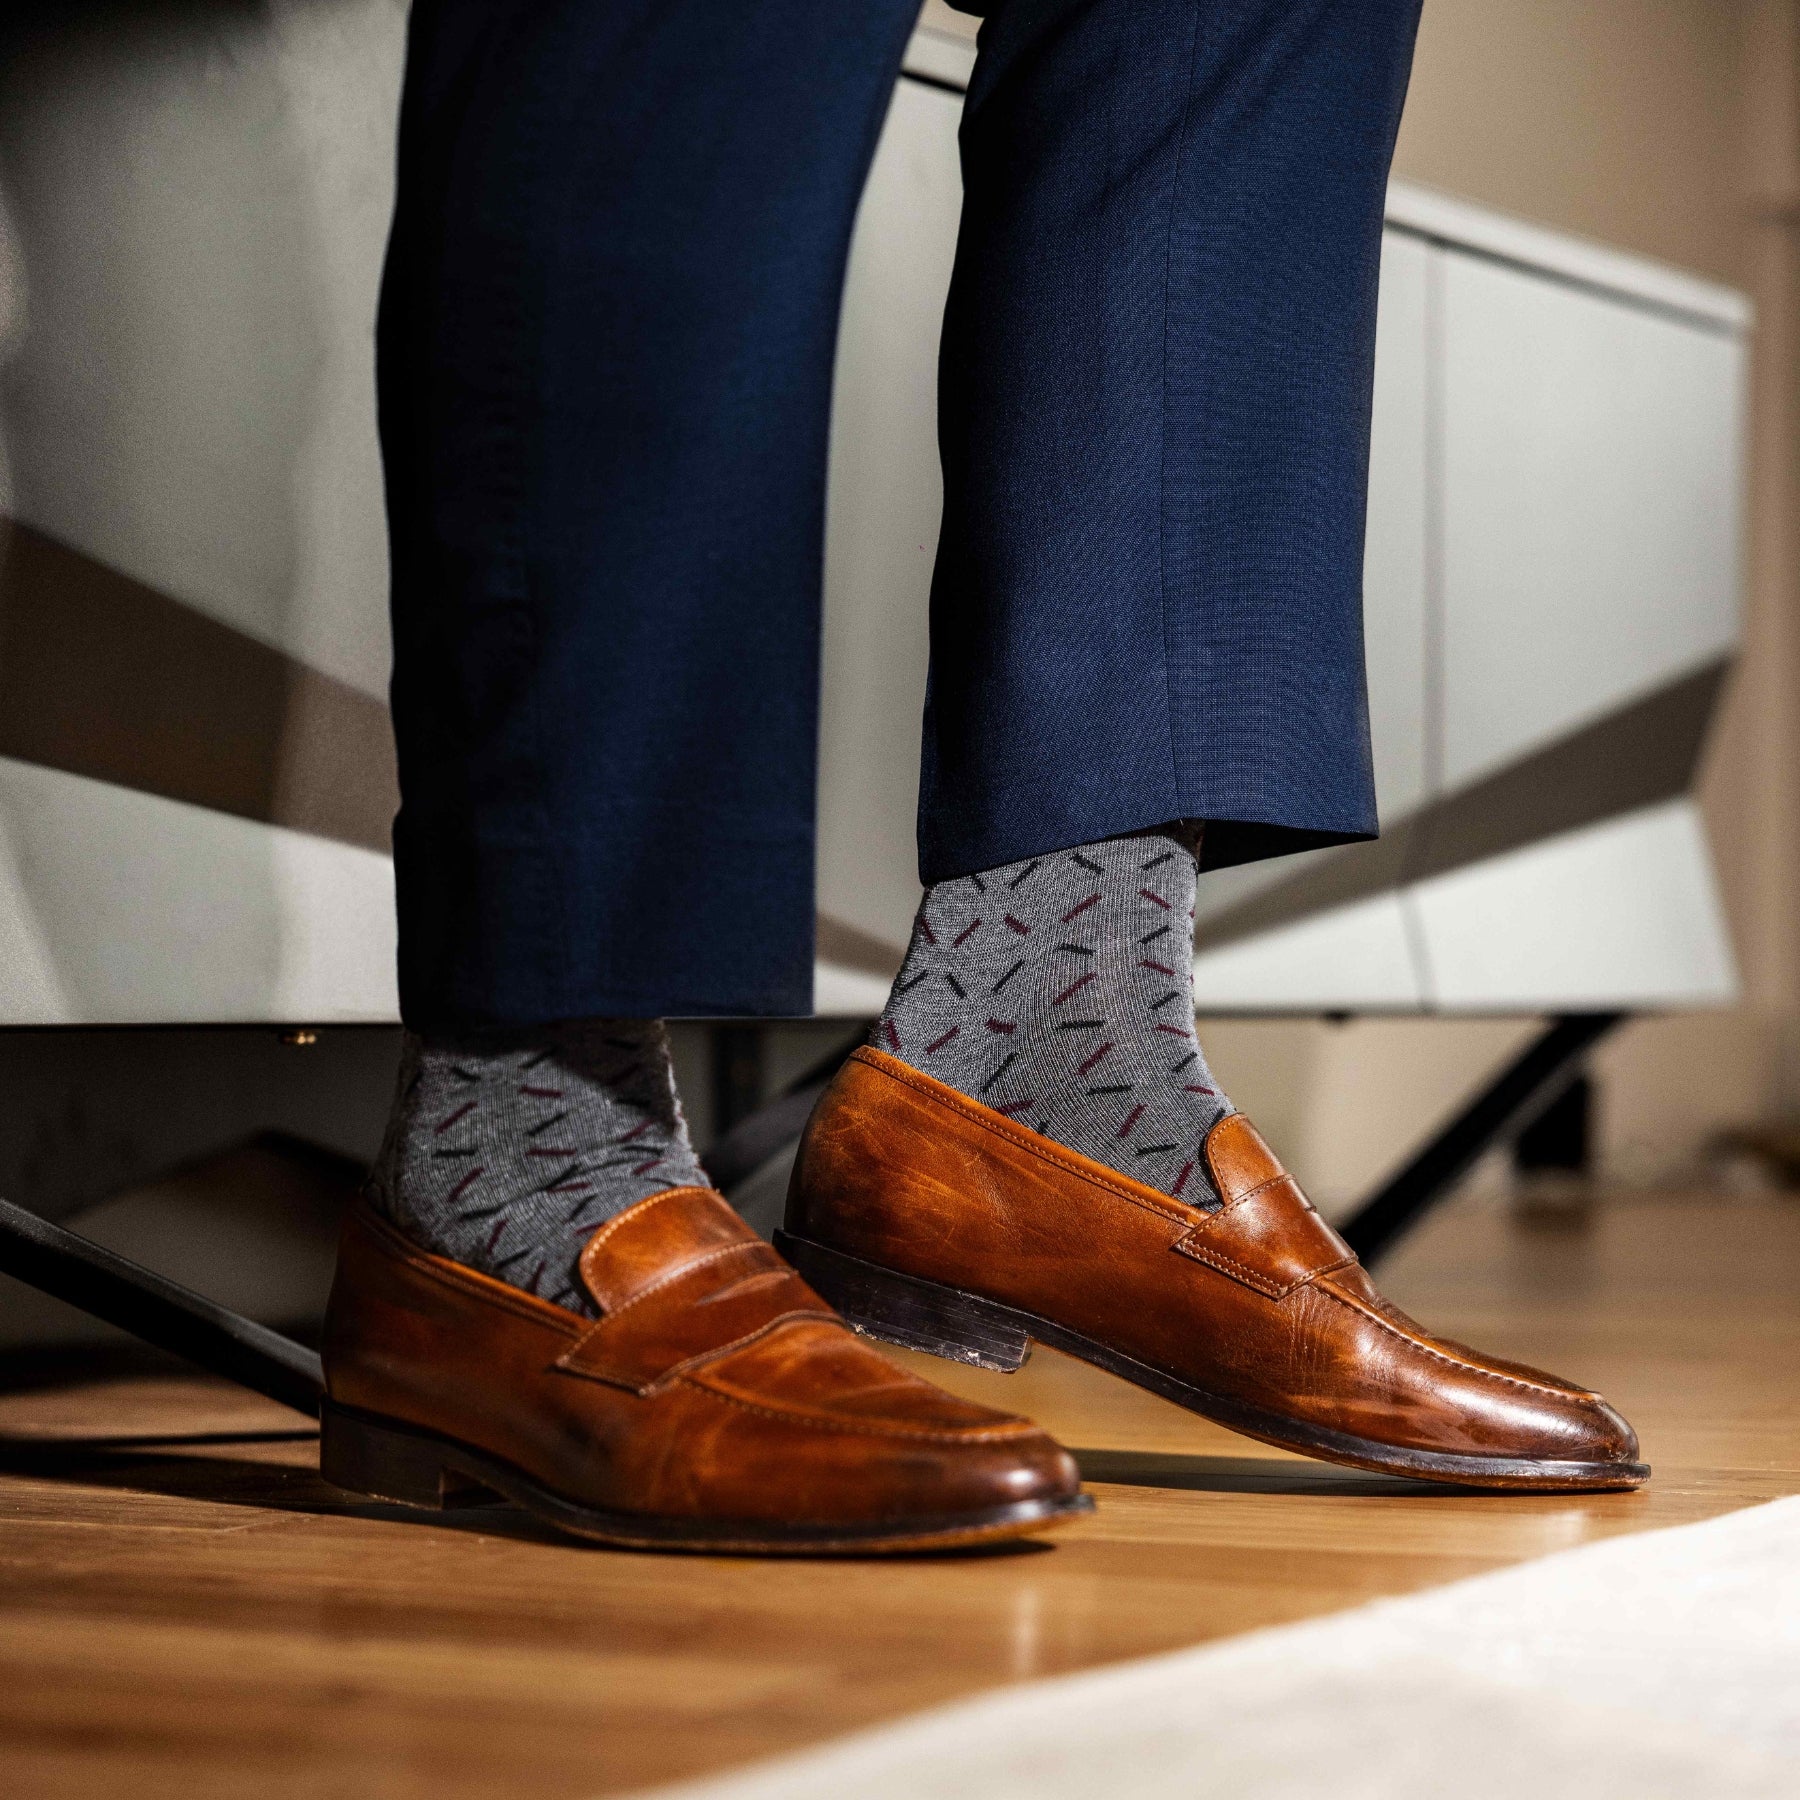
(727, 1399)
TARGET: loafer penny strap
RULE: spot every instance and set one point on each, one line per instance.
(695, 1313)
(1267, 1235)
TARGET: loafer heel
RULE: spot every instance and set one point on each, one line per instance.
(905, 1310)
(390, 1463)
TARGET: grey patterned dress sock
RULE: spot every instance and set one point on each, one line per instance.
(506, 1152)
(1060, 992)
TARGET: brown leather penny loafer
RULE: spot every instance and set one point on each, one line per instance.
(933, 1222)
(716, 1404)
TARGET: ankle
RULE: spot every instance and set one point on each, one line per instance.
(507, 1150)
(1058, 991)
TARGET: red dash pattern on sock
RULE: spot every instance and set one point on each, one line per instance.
(1102, 1051)
(1173, 1030)
(500, 1225)
(543, 1093)
(1160, 968)
(1155, 899)
(893, 1037)
(973, 925)
(462, 1112)
(1002, 1026)
(1187, 1168)
(1131, 1118)
(1190, 1088)
(462, 1187)
(1015, 1106)
(1075, 912)
(937, 1044)
(1074, 987)
(1018, 925)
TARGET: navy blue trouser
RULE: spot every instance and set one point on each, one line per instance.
(605, 351)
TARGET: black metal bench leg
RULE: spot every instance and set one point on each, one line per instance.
(163, 1313)
(1508, 1099)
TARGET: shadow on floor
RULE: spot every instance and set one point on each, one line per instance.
(134, 1465)
(46, 1368)
(1249, 1475)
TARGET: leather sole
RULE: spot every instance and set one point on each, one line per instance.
(944, 1321)
(388, 1459)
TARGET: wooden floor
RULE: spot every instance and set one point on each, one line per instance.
(187, 1611)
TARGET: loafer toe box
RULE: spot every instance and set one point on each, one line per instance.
(854, 1437)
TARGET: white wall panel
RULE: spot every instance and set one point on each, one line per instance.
(1222, 889)
(31, 990)
(840, 993)
(1623, 914)
(199, 206)
(1354, 958)
(1591, 506)
(1394, 557)
(881, 534)
(136, 909)
(1557, 254)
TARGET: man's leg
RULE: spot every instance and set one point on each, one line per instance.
(605, 371)
(605, 374)
(1147, 652)
(606, 339)
(1154, 407)
(1158, 361)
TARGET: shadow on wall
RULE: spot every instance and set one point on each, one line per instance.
(195, 198)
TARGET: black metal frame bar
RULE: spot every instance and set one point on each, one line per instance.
(749, 1141)
(1510, 1099)
(161, 1312)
